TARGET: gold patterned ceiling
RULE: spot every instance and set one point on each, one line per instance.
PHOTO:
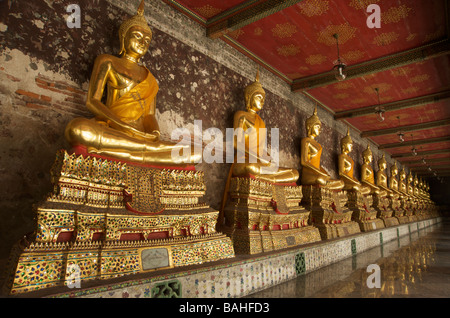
(407, 60)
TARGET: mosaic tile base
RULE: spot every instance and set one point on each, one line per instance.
(238, 278)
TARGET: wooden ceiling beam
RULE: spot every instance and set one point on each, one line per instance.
(420, 153)
(419, 160)
(397, 105)
(251, 11)
(415, 55)
(414, 142)
(425, 169)
(394, 130)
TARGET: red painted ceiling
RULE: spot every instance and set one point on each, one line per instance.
(298, 42)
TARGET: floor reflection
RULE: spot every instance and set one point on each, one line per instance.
(415, 265)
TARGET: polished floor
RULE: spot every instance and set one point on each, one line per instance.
(415, 265)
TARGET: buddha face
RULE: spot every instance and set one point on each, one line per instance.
(367, 157)
(382, 165)
(394, 171)
(346, 147)
(256, 102)
(314, 130)
(137, 41)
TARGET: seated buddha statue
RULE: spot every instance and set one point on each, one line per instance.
(402, 187)
(393, 182)
(416, 186)
(253, 161)
(410, 184)
(311, 151)
(346, 166)
(381, 175)
(367, 175)
(125, 126)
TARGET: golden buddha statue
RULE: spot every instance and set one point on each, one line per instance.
(393, 182)
(381, 175)
(311, 151)
(402, 182)
(410, 184)
(416, 186)
(367, 175)
(256, 163)
(125, 125)
(346, 166)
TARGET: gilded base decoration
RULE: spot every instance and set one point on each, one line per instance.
(261, 216)
(403, 210)
(364, 212)
(112, 219)
(329, 212)
(385, 205)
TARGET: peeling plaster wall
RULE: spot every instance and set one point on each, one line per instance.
(44, 73)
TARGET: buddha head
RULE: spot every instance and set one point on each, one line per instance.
(394, 170)
(346, 143)
(410, 178)
(367, 155)
(254, 95)
(313, 125)
(416, 180)
(402, 174)
(382, 163)
(135, 34)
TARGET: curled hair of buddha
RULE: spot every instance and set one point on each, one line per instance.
(137, 20)
(313, 120)
(252, 89)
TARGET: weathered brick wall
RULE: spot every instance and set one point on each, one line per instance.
(44, 74)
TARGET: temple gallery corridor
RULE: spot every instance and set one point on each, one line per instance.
(415, 265)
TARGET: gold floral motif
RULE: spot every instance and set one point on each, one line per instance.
(312, 8)
(345, 31)
(316, 59)
(208, 11)
(285, 30)
(411, 37)
(410, 90)
(395, 14)
(385, 38)
(362, 4)
(402, 71)
(352, 56)
(258, 31)
(288, 50)
(236, 33)
(361, 100)
(340, 96)
(434, 35)
(343, 85)
(419, 78)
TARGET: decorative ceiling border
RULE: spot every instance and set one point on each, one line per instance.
(397, 105)
(418, 54)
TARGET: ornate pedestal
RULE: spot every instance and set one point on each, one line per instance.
(403, 211)
(107, 219)
(261, 216)
(386, 207)
(363, 211)
(328, 212)
(411, 209)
